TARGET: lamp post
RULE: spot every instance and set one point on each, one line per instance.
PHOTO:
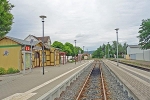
(75, 50)
(117, 43)
(31, 42)
(42, 16)
(105, 51)
(83, 49)
(87, 53)
(108, 49)
(83, 53)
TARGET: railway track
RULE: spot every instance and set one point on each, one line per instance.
(91, 85)
(94, 87)
(97, 82)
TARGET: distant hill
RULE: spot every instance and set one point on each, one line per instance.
(90, 52)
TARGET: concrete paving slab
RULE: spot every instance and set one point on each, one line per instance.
(18, 84)
(139, 87)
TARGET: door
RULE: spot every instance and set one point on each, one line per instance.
(37, 59)
(27, 60)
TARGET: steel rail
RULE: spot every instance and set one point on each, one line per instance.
(84, 84)
(103, 85)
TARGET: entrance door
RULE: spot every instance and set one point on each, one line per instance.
(27, 60)
(37, 59)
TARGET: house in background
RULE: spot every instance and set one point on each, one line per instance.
(85, 56)
(132, 50)
(51, 54)
(136, 53)
(47, 40)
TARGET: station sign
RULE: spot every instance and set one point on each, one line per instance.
(27, 48)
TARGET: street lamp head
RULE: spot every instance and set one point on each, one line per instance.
(117, 29)
(75, 40)
(42, 16)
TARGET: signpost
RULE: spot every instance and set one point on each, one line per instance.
(31, 42)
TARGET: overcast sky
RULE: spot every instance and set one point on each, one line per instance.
(90, 22)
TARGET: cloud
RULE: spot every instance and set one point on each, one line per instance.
(90, 22)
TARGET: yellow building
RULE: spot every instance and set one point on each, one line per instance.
(16, 53)
(55, 58)
(51, 56)
(11, 50)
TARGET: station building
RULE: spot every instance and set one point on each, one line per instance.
(19, 54)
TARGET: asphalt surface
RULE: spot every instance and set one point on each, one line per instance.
(34, 84)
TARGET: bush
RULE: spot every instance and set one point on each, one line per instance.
(2, 71)
(17, 71)
(12, 70)
(9, 71)
(120, 56)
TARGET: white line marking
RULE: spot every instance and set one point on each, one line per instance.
(131, 75)
(132, 70)
(21, 96)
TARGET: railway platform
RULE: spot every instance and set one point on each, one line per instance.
(137, 63)
(136, 80)
(34, 84)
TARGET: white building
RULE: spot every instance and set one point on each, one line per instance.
(132, 49)
(136, 53)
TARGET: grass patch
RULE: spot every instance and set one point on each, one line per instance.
(8, 71)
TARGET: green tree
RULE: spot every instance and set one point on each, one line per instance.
(144, 31)
(6, 18)
(71, 48)
(67, 50)
(99, 53)
(125, 48)
(121, 49)
(79, 50)
(103, 50)
(59, 45)
(114, 47)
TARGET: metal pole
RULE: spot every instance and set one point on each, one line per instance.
(105, 51)
(117, 45)
(83, 49)
(31, 57)
(24, 63)
(108, 49)
(42, 16)
(43, 45)
(31, 41)
(83, 53)
(75, 51)
(87, 55)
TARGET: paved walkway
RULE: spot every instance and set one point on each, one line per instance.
(136, 80)
(19, 85)
(141, 62)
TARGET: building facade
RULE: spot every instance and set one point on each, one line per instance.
(21, 54)
(136, 53)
